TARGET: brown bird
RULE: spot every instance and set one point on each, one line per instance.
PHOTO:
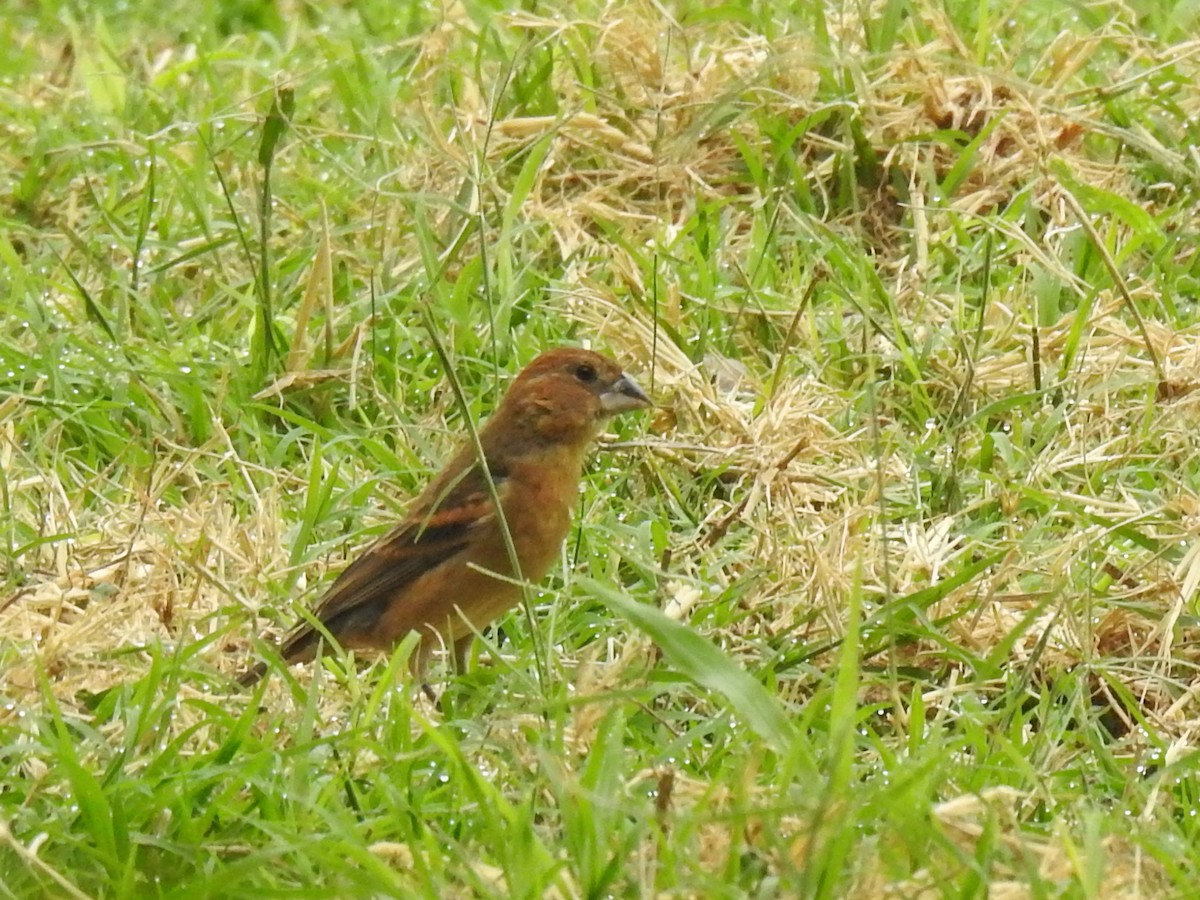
(446, 571)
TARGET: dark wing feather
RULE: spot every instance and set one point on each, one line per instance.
(438, 528)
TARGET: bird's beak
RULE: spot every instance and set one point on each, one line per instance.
(624, 395)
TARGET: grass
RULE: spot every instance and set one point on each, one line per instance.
(896, 595)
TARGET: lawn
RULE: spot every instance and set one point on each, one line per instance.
(893, 596)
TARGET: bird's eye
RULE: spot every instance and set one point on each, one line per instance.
(585, 373)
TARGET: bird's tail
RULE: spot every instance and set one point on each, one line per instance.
(253, 675)
(299, 647)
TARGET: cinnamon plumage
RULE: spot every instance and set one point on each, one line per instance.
(447, 570)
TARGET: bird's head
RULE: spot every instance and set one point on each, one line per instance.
(564, 395)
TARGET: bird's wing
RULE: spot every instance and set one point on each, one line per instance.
(441, 526)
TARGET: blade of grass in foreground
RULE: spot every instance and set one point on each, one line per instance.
(701, 661)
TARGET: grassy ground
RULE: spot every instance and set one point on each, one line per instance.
(895, 597)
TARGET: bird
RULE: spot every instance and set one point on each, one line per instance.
(446, 571)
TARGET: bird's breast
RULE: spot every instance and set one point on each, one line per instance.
(538, 512)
